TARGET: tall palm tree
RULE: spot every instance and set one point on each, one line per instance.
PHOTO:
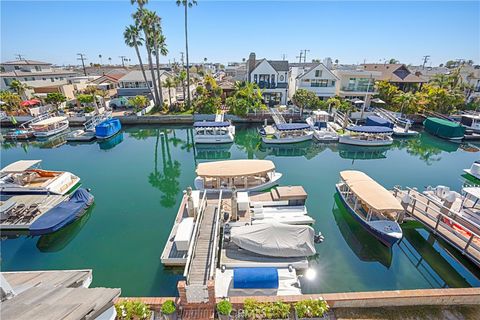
(187, 4)
(140, 3)
(159, 47)
(169, 84)
(19, 87)
(134, 40)
(109, 60)
(100, 56)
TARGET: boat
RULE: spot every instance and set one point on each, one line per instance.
(402, 128)
(218, 131)
(24, 177)
(367, 136)
(107, 128)
(374, 207)
(19, 134)
(244, 175)
(471, 122)
(321, 126)
(80, 135)
(88, 132)
(474, 170)
(286, 133)
(444, 128)
(49, 126)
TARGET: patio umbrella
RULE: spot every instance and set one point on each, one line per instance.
(358, 101)
(377, 100)
(28, 103)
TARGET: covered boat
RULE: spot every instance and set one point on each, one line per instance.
(275, 239)
(244, 175)
(444, 128)
(367, 136)
(108, 128)
(214, 131)
(286, 133)
(49, 126)
(63, 213)
(378, 121)
(371, 205)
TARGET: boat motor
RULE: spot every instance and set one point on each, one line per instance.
(318, 238)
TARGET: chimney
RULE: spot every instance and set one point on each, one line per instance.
(250, 65)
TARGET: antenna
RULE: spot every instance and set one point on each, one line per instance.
(300, 56)
(425, 59)
(83, 58)
(284, 56)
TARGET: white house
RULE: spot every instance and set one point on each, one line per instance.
(271, 76)
(356, 83)
(133, 84)
(314, 77)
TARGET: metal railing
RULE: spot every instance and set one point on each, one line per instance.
(91, 123)
(277, 116)
(215, 235)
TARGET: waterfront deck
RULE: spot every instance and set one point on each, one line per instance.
(441, 221)
(171, 256)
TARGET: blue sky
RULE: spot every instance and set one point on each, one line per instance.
(229, 30)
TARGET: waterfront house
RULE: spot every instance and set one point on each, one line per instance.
(356, 83)
(314, 77)
(133, 84)
(237, 71)
(271, 76)
(397, 74)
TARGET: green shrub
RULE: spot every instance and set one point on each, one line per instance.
(168, 307)
(266, 310)
(132, 309)
(224, 307)
(88, 109)
(311, 308)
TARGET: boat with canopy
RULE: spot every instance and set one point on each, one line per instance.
(49, 126)
(367, 136)
(244, 175)
(24, 177)
(323, 129)
(286, 133)
(474, 170)
(218, 131)
(374, 207)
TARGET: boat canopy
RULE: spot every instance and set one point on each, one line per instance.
(370, 129)
(48, 121)
(234, 168)
(211, 124)
(378, 121)
(20, 166)
(472, 191)
(275, 239)
(255, 278)
(370, 192)
(292, 126)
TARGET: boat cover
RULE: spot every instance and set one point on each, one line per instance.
(20, 166)
(292, 126)
(444, 128)
(210, 124)
(370, 129)
(108, 128)
(62, 214)
(234, 168)
(275, 239)
(378, 121)
(255, 278)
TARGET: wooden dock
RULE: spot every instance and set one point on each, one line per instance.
(441, 222)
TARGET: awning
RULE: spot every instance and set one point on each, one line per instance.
(20, 166)
(370, 129)
(369, 191)
(211, 124)
(234, 168)
(292, 126)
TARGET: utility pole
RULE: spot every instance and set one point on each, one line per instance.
(284, 56)
(305, 55)
(19, 56)
(425, 59)
(181, 58)
(82, 58)
(123, 60)
(300, 56)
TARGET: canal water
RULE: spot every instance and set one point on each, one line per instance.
(137, 179)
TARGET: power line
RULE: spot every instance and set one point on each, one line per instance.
(82, 58)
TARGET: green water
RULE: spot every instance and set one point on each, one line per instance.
(138, 177)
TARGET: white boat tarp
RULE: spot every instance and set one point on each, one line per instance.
(275, 239)
(20, 166)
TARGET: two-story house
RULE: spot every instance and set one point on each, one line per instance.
(271, 76)
(314, 77)
(356, 83)
(397, 74)
(133, 84)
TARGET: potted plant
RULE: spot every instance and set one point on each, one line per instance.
(169, 310)
(266, 310)
(311, 309)
(132, 310)
(224, 308)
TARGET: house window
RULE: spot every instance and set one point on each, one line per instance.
(17, 67)
(273, 78)
(318, 73)
(255, 78)
(319, 83)
(37, 68)
(52, 79)
(282, 78)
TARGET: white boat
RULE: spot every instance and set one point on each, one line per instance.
(374, 207)
(474, 170)
(80, 135)
(286, 133)
(218, 131)
(323, 130)
(49, 126)
(402, 128)
(367, 136)
(24, 177)
(471, 122)
(244, 175)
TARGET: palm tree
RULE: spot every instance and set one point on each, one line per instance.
(19, 88)
(133, 40)
(187, 4)
(109, 60)
(140, 3)
(100, 56)
(169, 84)
(159, 46)
(408, 101)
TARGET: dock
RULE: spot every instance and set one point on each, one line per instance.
(441, 222)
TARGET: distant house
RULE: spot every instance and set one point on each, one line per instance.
(271, 76)
(314, 77)
(356, 83)
(397, 74)
(133, 84)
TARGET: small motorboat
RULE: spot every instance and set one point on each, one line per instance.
(108, 128)
(19, 134)
(218, 131)
(322, 128)
(474, 170)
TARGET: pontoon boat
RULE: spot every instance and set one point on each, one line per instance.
(367, 136)
(218, 131)
(49, 126)
(286, 133)
(322, 128)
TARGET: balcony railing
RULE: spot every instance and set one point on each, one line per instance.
(269, 85)
(359, 89)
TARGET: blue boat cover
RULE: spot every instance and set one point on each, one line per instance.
(292, 126)
(370, 129)
(255, 278)
(62, 214)
(108, 128)
(210, 124)
(378, 121)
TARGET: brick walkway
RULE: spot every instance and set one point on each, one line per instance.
(199, 313)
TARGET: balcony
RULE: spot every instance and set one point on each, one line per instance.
(358, 88)
(268, 85)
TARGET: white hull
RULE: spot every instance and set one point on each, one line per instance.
(209, 139)
(272, 182)
(324, 135)
(303, 138)
(471, 173)
(44, 134)
(400, 132)
(359, 142)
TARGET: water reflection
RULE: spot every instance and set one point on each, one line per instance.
(213, 151)
(248, 140)
(362, 153)
(110, 143)
(363, 244)
(426, 147)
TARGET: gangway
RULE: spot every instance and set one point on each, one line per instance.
(91, 123)
(277, 116)
(388, 115)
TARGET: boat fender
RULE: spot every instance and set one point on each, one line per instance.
(88, 189)
(450, 197)
(290, 268)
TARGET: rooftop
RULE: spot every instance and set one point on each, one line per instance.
(136, 75)
(25, 62)
(395, 72)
